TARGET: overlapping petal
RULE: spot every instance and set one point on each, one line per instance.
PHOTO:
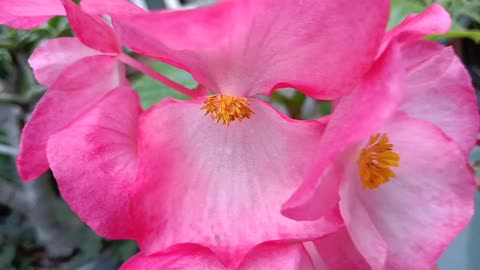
(338, 252)
(439, 90)
(264, 257)
(91, 30)
(418, 213)
(245, 48)
(75, 91)
(371, 103)
(51, 58)
(94, 161)
(28, 14)
(434, 20)
(218, 186)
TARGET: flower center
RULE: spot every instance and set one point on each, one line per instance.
(375, 162)
(227, 108)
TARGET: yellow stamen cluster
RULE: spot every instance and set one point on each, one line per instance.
(227, 108)
(375, 162)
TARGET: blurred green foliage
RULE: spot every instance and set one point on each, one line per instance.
(151, 91)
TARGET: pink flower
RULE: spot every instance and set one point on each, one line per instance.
(220, 183)
(65, 66)
(395, 166)
(87, 114)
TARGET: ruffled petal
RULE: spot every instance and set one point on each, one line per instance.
(218, 186)
(434, 20)
(353, 120)
(91, 30)
(339, 253)
(94, 161)
(263, 257)
(51, 58)
(109, 7)
(76, 90)
(419, 212)
(250, 47)
(28, 14)
(440, 91)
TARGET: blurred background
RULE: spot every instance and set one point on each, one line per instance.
(37, 228)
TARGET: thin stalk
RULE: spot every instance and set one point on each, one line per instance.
(159, 77)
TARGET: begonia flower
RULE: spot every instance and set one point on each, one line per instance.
(65, 66)
(220, 183)
(395, 166)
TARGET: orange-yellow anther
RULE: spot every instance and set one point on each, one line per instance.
(227, 108)
(375, 162)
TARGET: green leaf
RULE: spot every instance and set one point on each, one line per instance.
(152, 91)
(401, 9)
(7, 254)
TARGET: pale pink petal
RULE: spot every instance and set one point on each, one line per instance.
(361, 228)
(28, 14)
(423, 209)
(434, 20)
(91, 30)
(251, 47)
(76, 90)
(51, 58)
(263, 257)
(339, 253)
(354, 118)
(94, 161)
(218, 186)
(440, 91)
(109, 7)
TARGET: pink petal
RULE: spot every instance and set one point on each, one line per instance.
(249, 47)
(440, 91)
(263, 257)
(361, 228)
(191, 258)
(94, 161)
(28, 14)
(51, 58)
(278, 257)
(338, 252)
(423, 209)
(218, 186)
(108, 7)
(76, 90)
(353, 120)
(434, 20)
(92, 31)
